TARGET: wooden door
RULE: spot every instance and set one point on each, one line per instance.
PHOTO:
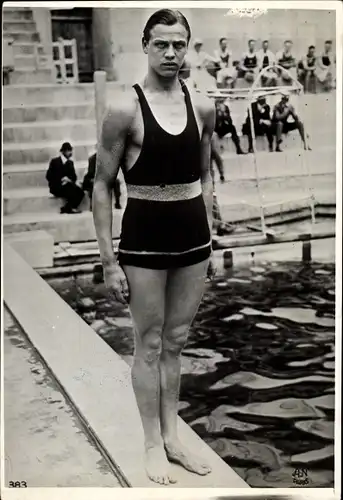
(76, 23)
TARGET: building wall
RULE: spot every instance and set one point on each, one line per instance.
(304, 27)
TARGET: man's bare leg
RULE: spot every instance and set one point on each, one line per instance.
(185, 287)
(147, 302)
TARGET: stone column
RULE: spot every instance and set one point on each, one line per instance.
(103, 47)
(42, 18)
(100, 99)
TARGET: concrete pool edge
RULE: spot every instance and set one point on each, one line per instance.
(90, 373)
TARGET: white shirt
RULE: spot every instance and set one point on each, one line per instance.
(218, 54)
(199, 59)
(261, 54)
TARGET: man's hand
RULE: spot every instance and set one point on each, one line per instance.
(65, 180)
(116, 283)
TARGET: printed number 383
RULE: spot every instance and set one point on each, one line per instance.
(17, 484)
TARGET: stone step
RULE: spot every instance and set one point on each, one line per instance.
(55, 93)
(25, 60)
(26, 153)
(25, 25)
(24, 48)
(29, 75)
(32, 175)
(63, 227)
(38, 199)
(12, 14)
(48, 112)
(21, 35)
(292, 162)
(31, 200)
(73, 130)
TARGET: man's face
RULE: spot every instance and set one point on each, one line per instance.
(166, 48)
(285, 100)
(251, 45)
(265, 45)
(328, 47)
(288, 46)
(198, 47)
(311, 52)
(223, 44)
(68, 153)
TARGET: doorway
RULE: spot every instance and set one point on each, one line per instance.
(76, 24)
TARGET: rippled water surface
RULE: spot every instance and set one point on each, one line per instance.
(258, 370)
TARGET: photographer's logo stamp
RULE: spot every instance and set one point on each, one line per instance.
(300, 477)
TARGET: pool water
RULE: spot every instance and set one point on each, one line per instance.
(258, 370)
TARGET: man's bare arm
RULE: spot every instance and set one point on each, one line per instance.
(209, 118)
(110, 151)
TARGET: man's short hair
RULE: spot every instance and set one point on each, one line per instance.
(288, 41)
(329, 42)
(265, 41)
(168, 17)
(66, 146)
(311, 47)
(222, 39)
(251, 40)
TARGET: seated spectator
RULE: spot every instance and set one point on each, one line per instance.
(283, 110)
(62, 178)
(326, 66)
(227, 75)
(88, 182)
(204, 68)
(286, 60)
(224, 125)
(265, 58)
(307, 69)
(262, 123)
(222, 228)
(248, 68)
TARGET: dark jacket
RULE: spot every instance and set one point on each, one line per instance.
(57, 170)
(88, 179)
(257, 115)
(224, 123)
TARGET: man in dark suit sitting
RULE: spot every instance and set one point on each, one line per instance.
(262, 123)
(62, 178)
(88, 182)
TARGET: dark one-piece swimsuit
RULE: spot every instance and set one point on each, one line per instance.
(165, 222)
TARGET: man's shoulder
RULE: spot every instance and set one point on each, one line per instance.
(122, 110)
(56, 159)
(202, 102)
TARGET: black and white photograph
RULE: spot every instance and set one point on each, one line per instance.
(171, 272)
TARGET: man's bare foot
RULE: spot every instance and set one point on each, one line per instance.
(157, 465)
(179, 454)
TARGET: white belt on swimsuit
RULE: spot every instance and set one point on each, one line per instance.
(165, 192)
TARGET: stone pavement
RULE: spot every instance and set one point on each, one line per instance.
(45, 442)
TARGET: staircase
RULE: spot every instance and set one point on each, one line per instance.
(20, 28)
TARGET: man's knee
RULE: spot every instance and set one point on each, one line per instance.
(175, 338)
(149, 343)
